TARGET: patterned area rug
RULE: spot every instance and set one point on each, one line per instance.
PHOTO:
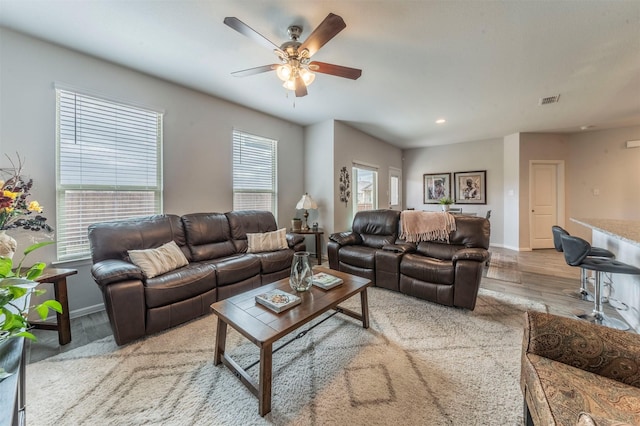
(419, 364)
(503, 267)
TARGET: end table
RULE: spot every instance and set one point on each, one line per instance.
(57, 277)
(318, 236)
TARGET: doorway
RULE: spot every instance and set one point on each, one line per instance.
(395, 188)
(546, 201)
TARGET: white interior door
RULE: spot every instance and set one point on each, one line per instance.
(543, 189)
(395, 188)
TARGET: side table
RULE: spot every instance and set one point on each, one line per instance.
(318, 236)
(57, 277)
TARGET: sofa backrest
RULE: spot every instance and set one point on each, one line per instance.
(377, 227)
(471, 232)
(208, 235)
(242, 222)
(112, 240)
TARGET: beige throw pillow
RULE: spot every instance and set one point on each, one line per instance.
(268, 241)
(154, 262)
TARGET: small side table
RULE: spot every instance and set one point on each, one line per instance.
(57, 277)
(318, 236)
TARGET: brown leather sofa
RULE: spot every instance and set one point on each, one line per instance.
(215, 244)
(578, 373)
(441, 272)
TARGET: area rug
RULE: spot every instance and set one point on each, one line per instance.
(418, 364)
(503, 267)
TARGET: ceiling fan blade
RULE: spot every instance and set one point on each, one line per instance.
(301, 88)
(337, 70)
(327, 30)
(254, 71)
(246, 30)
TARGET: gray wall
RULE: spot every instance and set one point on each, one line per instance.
(481, 155)
(197, 136)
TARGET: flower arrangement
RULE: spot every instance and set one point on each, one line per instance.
(15, 207)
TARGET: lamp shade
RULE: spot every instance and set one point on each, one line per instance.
(306, 202)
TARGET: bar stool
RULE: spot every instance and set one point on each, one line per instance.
(583, 292)
(576, 253)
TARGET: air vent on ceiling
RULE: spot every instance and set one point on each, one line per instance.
(549, 100)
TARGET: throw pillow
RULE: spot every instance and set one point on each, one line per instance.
(267, 241)
(154, 262)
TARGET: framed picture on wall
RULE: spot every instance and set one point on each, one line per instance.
(471, 187)
(436, 186)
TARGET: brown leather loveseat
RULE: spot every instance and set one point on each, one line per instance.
(443, 272)
(219, 266)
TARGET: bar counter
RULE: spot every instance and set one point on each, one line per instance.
(622, 237)
(625, 230)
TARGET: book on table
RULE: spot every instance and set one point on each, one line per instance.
(278, 300)
(325, 281)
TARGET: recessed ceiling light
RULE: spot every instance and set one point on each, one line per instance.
(441, 121)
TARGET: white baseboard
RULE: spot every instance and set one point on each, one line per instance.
(76, 313)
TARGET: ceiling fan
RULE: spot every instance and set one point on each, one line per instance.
(296, 69)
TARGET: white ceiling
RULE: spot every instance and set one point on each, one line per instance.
(481, 65)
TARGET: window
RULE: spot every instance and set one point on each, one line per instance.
(254, 172)
(109, 166)
(365, 181)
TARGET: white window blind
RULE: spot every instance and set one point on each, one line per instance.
(254, 172)
(109, 166)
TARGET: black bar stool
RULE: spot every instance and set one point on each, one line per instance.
(583, 292)
(576, 253)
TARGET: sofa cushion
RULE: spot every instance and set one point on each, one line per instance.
(471, 231)
(558, 393)
(275, 261)
(233, 269)
(242, 222)
(377, 228)
(267, 241)
(157, 261)
(112, 240)
(208, 236)
(180, 284)
(358, 256)
(427, 269)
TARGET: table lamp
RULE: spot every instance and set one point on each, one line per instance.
(306, 203)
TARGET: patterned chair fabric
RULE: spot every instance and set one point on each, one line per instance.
(577, 373)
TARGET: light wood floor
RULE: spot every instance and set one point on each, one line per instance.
(540, 275)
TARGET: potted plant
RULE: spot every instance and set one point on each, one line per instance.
(445, 202)
(16, 290)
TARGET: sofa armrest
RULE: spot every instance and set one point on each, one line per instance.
(477, 254)
(346, 238)
(400, 248)
(114, 270)
(294, 239)
(597, 349)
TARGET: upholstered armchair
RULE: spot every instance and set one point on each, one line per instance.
(577, 373)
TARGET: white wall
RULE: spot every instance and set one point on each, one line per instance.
(351, 145)
(480, 155)
(197, 136)
(600, 160)
(511, 188)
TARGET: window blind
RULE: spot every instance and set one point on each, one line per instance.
(108, 166)
(254, 172)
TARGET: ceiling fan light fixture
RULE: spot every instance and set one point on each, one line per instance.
(290, 84)
(307, 76)
(284, 72)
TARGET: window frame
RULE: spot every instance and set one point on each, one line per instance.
(71, 234)
(270, 144)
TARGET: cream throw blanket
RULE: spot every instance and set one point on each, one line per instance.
(416, 226)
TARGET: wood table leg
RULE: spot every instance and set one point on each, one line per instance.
(221, 340)
(319, 249)
(64, 323)
(365, 308)
(264, 396)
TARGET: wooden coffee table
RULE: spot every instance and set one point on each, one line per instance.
(263, 326)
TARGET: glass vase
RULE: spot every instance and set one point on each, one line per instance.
(301, 273)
